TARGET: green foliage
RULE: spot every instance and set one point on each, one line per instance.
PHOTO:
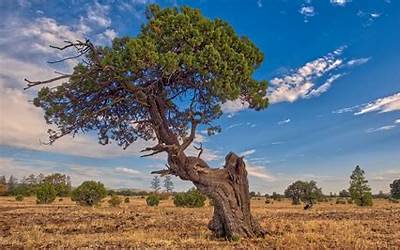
(276, 197)
(344, 193)
(19, 198)
(179, 56)
(61, 183)
(359, 190)
(393, 200)
(114, 201)
(192, 198)
(153, 200)
(127, 200)
(395, 189)
(304, 191)
(45, 193)
(89, 193)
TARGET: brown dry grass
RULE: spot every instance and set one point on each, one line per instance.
(65, 225)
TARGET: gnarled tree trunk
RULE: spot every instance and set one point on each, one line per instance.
(228, 187)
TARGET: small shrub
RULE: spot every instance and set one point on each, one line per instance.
(45, 193)
(127, 200)
(115, 201)
(89, 193)
(19, 197)
(267, 201)
(191, 198)
(340, 201)
(235, 238)
(349, 201)
(61, 199)
(153, 200)
(393, 200)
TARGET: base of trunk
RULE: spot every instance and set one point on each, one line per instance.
(230, 195)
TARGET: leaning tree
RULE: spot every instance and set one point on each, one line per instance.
(160, 86)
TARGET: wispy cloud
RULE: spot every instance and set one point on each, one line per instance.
(358, 61)
(340, 2)
(284, 121)
(300, 83)
(127, 171)
(248, 152)
(259, 3)
(383, 128)
(307, 12)
(381, 105)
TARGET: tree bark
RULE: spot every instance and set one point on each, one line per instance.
(228, 187)
(229, 190)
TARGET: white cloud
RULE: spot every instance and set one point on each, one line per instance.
(324, 87)
(381, 105)
(359, 61)
(258, 171)
(300, 84)
(383, 128)
(259, 3)
(127, 171)
(234, 106)
(307, 11)
(284, 121)
(340, 2)
(397, 121)
(248, 152)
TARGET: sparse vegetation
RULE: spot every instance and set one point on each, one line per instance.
(114, 201)
(89, 193)
(191, 198)
(45, 193)
(127, 200)
(19, 198)
(395, 189)
(153, 200)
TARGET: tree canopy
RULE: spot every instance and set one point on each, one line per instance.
(181, 63)
(359, 189)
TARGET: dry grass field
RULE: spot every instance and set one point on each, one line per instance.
(65, 225)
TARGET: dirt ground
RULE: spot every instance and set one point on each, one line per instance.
(65, 225)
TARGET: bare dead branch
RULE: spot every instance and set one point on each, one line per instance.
(35, 83)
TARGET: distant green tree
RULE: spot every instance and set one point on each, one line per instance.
(61, 183)
(192, 198)
(344, 193)
(168, 184)
(304, 191)
(395, 189)
(11, 184)
(89, 193)
(155, 184)
(45, 193)
(359, 190)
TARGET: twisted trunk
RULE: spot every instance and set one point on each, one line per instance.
(228, 187)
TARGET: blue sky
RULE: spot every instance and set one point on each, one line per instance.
(332, 66)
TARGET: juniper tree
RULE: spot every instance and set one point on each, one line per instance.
(359, 190)
(161, 86)
(304, 191)
(395, 189)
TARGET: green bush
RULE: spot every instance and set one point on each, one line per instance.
(45, 193)
(115, 201)
(127, 200)
(89, 193)
(19, 197)
(393, 200)
(364, 200)
(153, 200)
(191, 198)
